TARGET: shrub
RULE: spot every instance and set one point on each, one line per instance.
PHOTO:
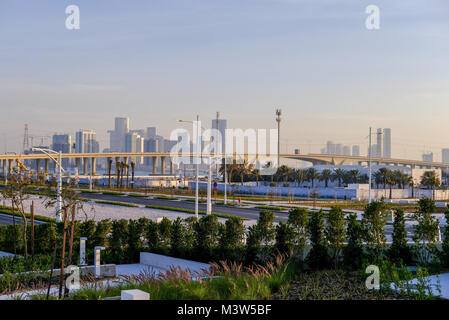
(335, 233)
(206, 236)
(266, 228)
(373, 223)
(165, 233)
(298, 218)
(285, 237)
(353, 253)
(102, 229)
(445, 245)
(232, 235)
(134, 240)
(117, 240)
(44, 238)
(178, 238)
(399, 250)
(152, 235)
(318, 257)
(425, 231)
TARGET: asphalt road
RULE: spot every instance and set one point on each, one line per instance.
(248, 213)
(6, 219)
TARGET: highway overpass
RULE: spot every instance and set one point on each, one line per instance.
(8, 161)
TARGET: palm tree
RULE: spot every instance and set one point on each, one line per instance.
(385, 173)
(300, 176)
(244, 169)
(338, 175)
(391, 182)
(353, 175)
(378, 178)
(133, 166)
(230, 169)
(109, 171)
(312, 175)
(256, 173)
(325, 176)
(430, 180)
(118, 168)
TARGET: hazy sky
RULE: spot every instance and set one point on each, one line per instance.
(157, 61)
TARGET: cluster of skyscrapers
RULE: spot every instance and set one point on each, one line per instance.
(339, 149)
(121, 139)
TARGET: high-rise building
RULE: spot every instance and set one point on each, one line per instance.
(63, 143)
(346, 151)
(117, 136)
(356, 151)
(134, 143)
(151, 133)
(445, 155)
(338, 149)
(330, 147)
(86, 142)
(378, 152)
(222, 126)
(427, 157)
(373, 151)
(387, 143)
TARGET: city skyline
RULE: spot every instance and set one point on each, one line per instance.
(206, 56)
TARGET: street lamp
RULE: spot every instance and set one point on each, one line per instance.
(209, 179)
(59, 178)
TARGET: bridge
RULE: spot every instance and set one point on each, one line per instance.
(8, 161)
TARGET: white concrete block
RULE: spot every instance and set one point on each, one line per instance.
(135, 295)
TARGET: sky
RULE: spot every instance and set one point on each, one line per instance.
(157, 61)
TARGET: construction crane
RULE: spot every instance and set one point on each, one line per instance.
(24, 167)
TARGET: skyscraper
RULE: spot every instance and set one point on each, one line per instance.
(445, 155)
(356, 151)
(86, 142)
(427, 157)
(222, 126)
(117, 136)
(346, 151)
(387, 143)
(378, 150)
(63, 143)
(134, 143)
(330, 147)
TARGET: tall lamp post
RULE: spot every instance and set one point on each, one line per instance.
(278, 120)
(209, 179)
(58, 162)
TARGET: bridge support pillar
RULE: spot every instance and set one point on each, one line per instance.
(109, 170)
(163, 165)
(77, 165)
(38, 166)
(10, 166)
(93, 166)
(4, 168)
(47, 165)
(85, 163)
(154, 165)
(117, 169)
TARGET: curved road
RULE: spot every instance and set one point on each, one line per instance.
(248, 213)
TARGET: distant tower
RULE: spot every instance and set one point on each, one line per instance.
(26, 142)
(278, 120)
(387, 143)
(379, 143)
